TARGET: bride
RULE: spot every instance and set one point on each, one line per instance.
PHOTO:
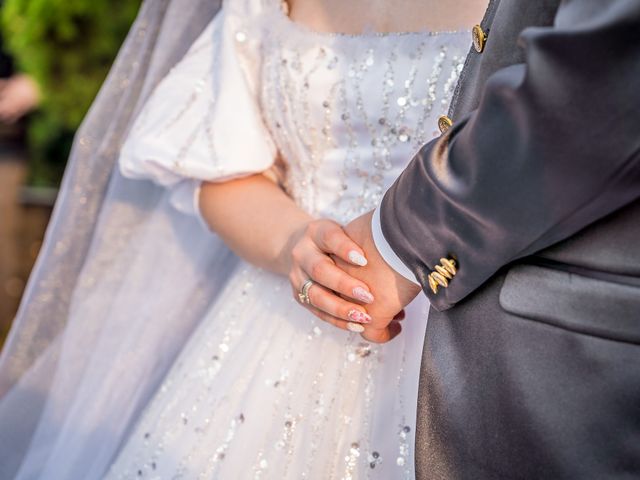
(282, 122)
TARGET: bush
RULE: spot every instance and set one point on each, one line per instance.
(68, 47)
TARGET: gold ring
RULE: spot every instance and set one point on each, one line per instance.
(303, 296)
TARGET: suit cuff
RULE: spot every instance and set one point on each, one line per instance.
(386, 251)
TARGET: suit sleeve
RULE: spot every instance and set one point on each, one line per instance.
(553, 146)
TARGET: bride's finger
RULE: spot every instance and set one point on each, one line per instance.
(325, 317)
(331, 238)
(323, 271)
(329, 302)
(336, 322)
(326, 300)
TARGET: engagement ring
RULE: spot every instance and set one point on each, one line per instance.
(303, 295)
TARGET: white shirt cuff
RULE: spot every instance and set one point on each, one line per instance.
(386, 251)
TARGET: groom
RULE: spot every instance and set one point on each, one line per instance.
(531, 198)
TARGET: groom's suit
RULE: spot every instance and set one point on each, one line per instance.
(531, 366)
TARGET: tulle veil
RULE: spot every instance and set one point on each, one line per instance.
(83, 357)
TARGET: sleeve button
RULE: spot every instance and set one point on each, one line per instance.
(442, 274)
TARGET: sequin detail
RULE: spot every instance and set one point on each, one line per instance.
(347, 116)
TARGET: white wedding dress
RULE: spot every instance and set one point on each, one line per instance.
(263, 389)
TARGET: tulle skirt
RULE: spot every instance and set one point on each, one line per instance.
(263, 389)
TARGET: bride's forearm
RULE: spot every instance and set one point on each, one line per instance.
(254, 217)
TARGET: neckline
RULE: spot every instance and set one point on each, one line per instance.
(301, 27)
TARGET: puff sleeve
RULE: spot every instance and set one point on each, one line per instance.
(203, 121)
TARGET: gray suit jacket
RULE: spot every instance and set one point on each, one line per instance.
(531, 367)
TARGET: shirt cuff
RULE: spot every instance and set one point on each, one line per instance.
(386, 251)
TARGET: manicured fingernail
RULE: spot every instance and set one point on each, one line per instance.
(358, 316)
(363, 295)
(357, 258)
(355, 327)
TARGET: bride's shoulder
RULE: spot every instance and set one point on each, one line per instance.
(203, 120)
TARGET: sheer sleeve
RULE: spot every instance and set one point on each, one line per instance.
(203, 121)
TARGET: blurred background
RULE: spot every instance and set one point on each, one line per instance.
(54, 55)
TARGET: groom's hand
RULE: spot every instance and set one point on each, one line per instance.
(391, 290)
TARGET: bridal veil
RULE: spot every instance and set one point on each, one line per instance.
(111, 241)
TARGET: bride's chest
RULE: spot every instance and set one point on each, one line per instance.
(321, 92)
(347, 113)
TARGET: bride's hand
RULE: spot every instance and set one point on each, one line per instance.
(308, 259)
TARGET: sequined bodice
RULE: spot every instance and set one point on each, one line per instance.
(348, 112)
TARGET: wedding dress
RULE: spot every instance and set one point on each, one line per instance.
(126, 273)
(263, 389)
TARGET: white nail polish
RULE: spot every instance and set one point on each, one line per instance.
(361, 294)
(357, 259)
(355, 327)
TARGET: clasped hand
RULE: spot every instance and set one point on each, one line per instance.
(354, 288)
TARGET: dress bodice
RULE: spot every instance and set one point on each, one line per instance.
(348, 112)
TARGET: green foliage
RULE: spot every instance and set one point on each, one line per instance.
(68, 47)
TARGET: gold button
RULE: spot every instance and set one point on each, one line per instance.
(479, 38)
(442, 274)
(444, 123)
